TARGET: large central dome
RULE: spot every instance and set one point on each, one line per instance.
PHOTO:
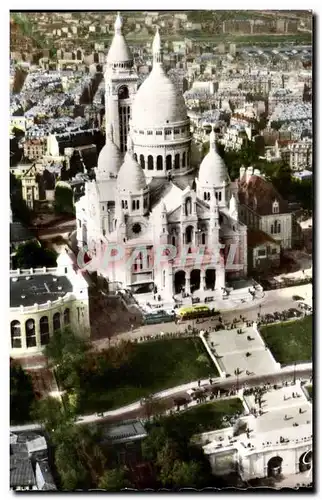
(158, 102)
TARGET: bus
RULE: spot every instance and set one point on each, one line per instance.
(193, 312)
(158, 316)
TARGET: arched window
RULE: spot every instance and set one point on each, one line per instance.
(135, 157)
(159, 162)
(56, 321)
(272, 229)
(145, 203)
(79, 55)
(183, 160)
(188, 206)
(122, 203)
(208, 196)
(150, 162)
(177, 161)
(277, 227)
(133, 204)
(44, 330)
(205, 196)
(67, 316)
(142, 162)
(216, 195)
(219, 196)
(123, 92)
(15, 334)
(173, 241)
(189, 234)
(188, 159)
(203, 239)
(30, 333)
(168, 162)
(126, 205)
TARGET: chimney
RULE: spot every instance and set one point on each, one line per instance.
(241, 172)
(249, 173)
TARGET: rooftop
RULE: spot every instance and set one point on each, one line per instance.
(286, 419)
(257, 237)
(38, 289)
(126, 431)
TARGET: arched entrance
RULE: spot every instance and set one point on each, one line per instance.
(274, 467)
(210, 279)
(305, 462)
(195, 280)
(179, 281)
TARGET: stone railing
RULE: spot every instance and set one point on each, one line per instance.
(212, 356)
(15, 273)
(50, 304)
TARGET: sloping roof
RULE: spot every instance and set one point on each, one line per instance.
(126, 431)
(255, 238)
(21, 472)
(264, 192)
(48, 484)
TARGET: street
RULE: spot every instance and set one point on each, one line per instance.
(273, 301)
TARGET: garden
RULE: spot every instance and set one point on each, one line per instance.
(209, 416)
(290, 341)
(129, 371)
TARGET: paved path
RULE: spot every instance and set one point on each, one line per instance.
(134, 410)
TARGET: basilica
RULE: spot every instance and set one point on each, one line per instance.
(149, 194)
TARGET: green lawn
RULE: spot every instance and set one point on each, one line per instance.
(148, 368)
(290, 341)
(209, 416)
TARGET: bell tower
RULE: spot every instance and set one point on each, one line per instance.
(120, 86)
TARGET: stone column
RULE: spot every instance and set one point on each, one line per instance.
(187, 284)
(37, 329)
(170, 282)
(23, 334)
(203, 281)
(220, 277)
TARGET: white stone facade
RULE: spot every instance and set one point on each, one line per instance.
(32, 326)
(141, 204)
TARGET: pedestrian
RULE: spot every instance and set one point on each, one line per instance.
(132, 328)
(198, 383)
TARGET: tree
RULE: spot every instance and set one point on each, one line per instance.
(51, 414)
(21, 394)
(153, 443)
(187, 474)
(32, 255)
(68, 352)
(166, 458)
(114, 480)
(64, 202)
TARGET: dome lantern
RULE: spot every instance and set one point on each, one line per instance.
(157, 48)
(118, 24)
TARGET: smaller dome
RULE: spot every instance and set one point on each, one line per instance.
(213, 171)
(109, 159)
(131, 177)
